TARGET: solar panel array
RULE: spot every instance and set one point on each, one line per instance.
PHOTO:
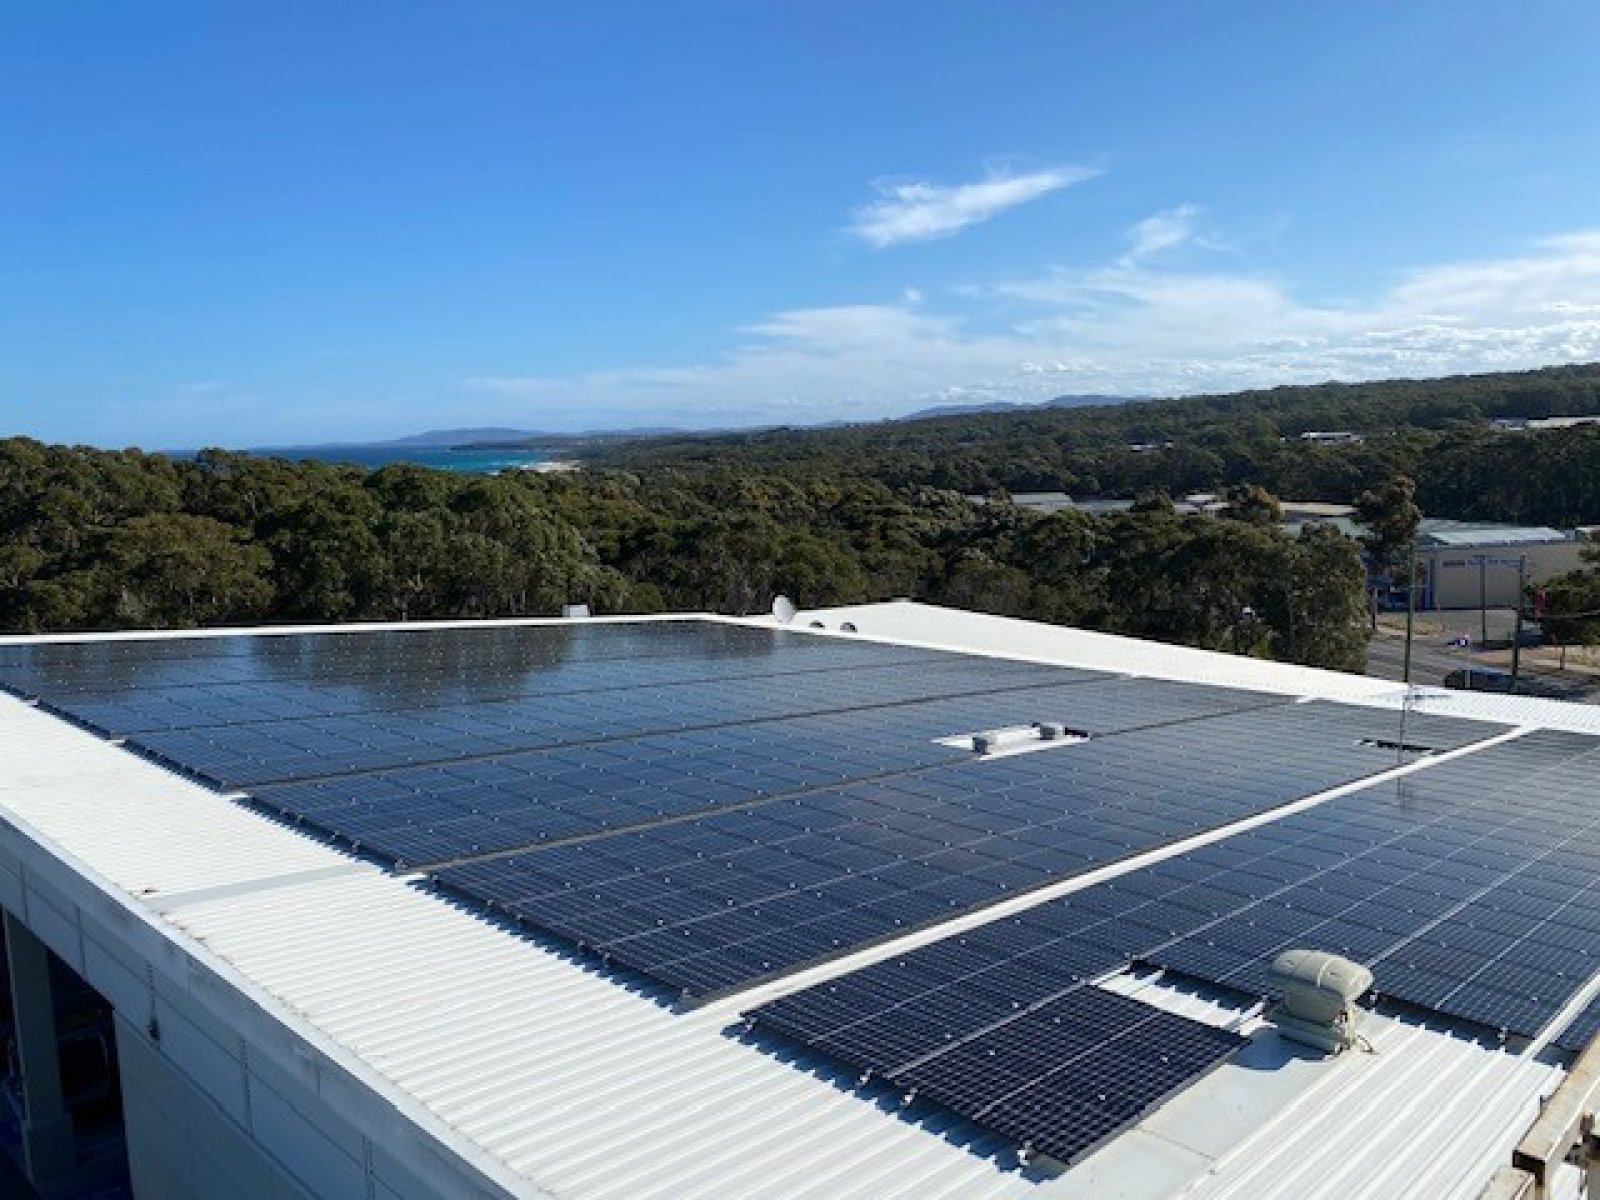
(256, 751)
(453, 809)
(1470, 887)
(728, 898)
(359, 670)
(1025, 1046)
(713, 805)
(428, 745)
(1065, 1076)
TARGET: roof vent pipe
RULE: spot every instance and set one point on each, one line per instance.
(1316, 994)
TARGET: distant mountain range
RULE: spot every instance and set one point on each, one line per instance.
(994, 406)
(492, 436)
(469, 438)
(459, 437)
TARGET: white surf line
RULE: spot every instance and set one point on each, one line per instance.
(742, 1001)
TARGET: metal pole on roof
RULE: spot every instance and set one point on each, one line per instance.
(1405, 711)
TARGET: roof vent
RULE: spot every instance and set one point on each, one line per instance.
(1318, 993)
(1017, 739)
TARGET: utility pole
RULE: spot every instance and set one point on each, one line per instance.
(1516, 633)
(1411, 613)
(1483, 599)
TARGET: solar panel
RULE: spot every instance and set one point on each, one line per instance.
(286, 747)
(1058, 1074)
(713, 805)
(1410, 878)
(1475, 893)
(806, 877)
(375, 725)
(842, 821)
(457, 659)
(432, 745)
(1576, 1035)
(438, 811)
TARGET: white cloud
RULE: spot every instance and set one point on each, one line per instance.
(1159, 232)
(1120, 328)
(911, 210)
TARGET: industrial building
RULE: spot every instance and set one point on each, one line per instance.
(1472, 564)
(881, 901)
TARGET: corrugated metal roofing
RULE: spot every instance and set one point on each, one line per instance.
(1440, 532)
(1241, 1134)
(584, 1084)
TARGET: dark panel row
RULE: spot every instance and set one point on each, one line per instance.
(165, 709)
(722, 900)
(1062, 1078)
(1059, 1075)
(452, 664)
(1475, 873)
(277, 750)
(456, 809)
(432, 814)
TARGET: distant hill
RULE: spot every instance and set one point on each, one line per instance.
(1448, 434)
(433, 439)
(462, 437)
(1000, 406)
(491, 437)
(480, 438)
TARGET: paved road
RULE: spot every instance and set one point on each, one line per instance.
(1430, 661)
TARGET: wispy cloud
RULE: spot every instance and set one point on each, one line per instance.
(1161, 231)
(1121, 328)
(913, 210)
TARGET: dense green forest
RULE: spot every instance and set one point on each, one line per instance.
(99, 539)
(1437, 432)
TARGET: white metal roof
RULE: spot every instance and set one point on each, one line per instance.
(1436, 531)
(916, 624)
(554, 1077)
(930, 625)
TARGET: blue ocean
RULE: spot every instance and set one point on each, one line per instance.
(474, 460)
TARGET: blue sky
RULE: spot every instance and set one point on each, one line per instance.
(247, 223)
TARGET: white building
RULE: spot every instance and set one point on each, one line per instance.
(291, 1019)
(1468, 564)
